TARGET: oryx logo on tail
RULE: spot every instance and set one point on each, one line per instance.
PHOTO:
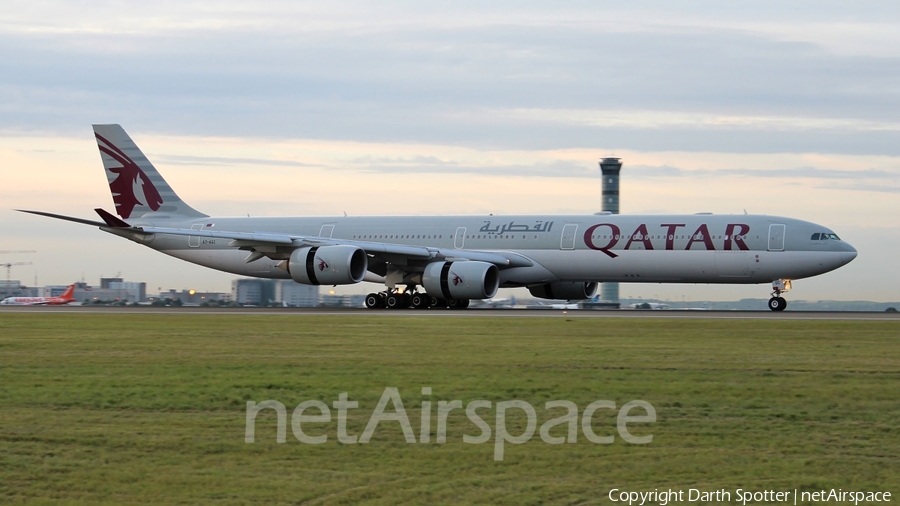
(131, 187)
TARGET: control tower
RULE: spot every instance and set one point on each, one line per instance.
(610, 167)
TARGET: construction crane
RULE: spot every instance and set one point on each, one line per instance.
(10, 265)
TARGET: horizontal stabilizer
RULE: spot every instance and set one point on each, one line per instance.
(67, 218)
(111, 220)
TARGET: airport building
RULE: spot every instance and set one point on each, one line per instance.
(106, 282)
(289, 293)
(334, 300)
(283, 292)
(54, 290)
(137, 291)
(14, 288)
(193, 297)
(253, 291)
(110, 290)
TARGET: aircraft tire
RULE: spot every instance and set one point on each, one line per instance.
(777, 304)
(374, 301)
(457, 303)
(783, 304)
(394, 301)
(421, 301)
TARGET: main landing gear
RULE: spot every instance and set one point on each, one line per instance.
(393, 299)
(777, 302)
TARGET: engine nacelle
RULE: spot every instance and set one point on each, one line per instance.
(461, 280)
(564, 290)
(328, 265)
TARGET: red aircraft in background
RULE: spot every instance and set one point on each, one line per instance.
(63, 299)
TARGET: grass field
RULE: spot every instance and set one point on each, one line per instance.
(151, 408)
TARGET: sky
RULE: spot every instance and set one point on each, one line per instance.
(320, 108)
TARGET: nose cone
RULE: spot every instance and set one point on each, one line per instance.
(848, 253)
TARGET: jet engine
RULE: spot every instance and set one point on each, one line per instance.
(564, 290)
(461, 280)
(328, 265)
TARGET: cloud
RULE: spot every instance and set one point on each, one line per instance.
(555, 169)
(224, 161)
(863, 187)
(424, 164)
(646, 77)
(416, 161)
(649, 119)
(797, 172)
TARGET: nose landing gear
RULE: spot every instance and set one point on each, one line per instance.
(777, 302)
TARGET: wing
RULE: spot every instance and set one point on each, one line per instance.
(271, 245)
(279, 246)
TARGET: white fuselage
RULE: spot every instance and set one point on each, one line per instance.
(34, 301)
(700, 248)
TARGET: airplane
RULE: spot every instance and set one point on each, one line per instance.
(649, 305)
(445, 261)
(495, 302)
(63, 299)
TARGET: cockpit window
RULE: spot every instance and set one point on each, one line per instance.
(815, 237)
(831, 236)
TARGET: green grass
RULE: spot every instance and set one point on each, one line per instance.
(151, 408)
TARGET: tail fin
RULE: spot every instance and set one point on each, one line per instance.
(138, 190)
(67, 295)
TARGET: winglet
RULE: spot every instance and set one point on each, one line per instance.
(112, 221)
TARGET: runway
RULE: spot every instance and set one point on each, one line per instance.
(473, 313)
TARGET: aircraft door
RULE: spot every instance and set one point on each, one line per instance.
(194, 240)
(776, 237)
(326, 231)
(567, 241)
(459, 240)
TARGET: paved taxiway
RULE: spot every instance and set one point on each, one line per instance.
(514, 313)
